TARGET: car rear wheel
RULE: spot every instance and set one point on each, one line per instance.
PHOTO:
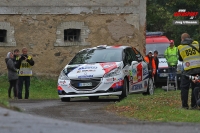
(65, 99)
(124, 90)
(94, 98)
(150, 89)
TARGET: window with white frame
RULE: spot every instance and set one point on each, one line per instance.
(72, 33)
(7, 34)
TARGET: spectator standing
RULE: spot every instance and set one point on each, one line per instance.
(155, 56)
(189, 54)
(151, 63)
(12, 74)
(16, 59)
(171, 55)
(16, 56)
(24, 65)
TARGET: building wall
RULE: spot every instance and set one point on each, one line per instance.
(39, 25)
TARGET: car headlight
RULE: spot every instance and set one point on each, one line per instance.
(114, 72)
(63, 75)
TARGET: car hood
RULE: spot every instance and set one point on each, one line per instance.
(91, 70)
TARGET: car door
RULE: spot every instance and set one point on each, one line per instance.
(135, 71)
(145, 71)
(140, 79)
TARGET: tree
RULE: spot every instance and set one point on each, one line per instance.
(160, 16)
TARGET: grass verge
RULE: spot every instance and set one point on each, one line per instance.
(162, 107)
(40, 88)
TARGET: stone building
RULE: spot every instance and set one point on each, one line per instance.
(54, 30)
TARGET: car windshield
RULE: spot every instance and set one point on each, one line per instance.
(160, 47)
(97, 56)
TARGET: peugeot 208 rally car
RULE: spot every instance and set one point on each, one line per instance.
(105, 70)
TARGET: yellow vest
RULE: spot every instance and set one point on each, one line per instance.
(25, 68)
(191, 57)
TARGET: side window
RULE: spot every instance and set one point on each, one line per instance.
(126, 57)
(129, 55)
(137, 55)
(132, 54)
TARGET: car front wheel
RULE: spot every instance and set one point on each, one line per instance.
(124, 90)
(65, 99)
(94, 98)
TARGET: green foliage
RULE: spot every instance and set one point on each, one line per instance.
(162, 106)
(160, 18)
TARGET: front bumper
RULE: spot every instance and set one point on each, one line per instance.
(91, 94)
(102, 87)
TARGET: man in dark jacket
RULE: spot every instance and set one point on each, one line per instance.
(189, 54)
(24, 65)
(155, 56)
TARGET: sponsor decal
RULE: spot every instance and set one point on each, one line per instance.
(120, 79)
(137, 87)
(87, 67)
(187, 64)
(137, 74)
(62, 82)
(85, 76)
(134, 71)
(108, 66)
(130, 73)
(88, 70)
(110, 79)
(59, 88)
(118, 85)
(184, 13)
(145, 71)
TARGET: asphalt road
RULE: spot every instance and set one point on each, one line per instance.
(79, 116)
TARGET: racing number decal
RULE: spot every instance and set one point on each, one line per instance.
(190, 52)
(139, 72)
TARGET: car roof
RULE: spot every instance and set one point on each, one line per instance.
(109, 47)
(157, 39)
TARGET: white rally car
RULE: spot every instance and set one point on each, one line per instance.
(105, 70)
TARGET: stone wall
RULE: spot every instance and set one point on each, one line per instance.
(41, 31)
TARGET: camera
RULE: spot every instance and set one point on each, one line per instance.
(23, 57)
(194, 77)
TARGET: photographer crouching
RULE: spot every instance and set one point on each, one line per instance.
(196, 80)
(189, 54)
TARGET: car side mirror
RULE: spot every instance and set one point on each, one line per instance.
(134, 63)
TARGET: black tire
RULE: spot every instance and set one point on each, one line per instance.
(178, 85)
(124, 90)
(94, 98)
(150, 89)
(65, 99)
